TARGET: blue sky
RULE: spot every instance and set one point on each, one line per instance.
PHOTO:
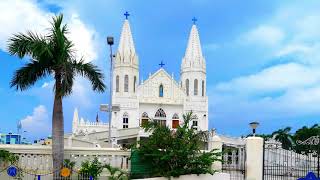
(262, 57)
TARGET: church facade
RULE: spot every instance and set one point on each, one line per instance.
(160, 97)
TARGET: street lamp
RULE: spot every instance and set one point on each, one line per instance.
(254, 126)
(110, 42)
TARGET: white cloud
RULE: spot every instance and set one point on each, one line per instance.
(280, 91)
(275, 78)
(44, 85)
(37, 124)
(83, 38)
(264, 35)
(20, 16)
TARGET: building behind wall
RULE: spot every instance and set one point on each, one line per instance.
(160, 97)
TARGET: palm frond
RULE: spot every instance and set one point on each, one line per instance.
(30, 43)
(26, 76)
(90, 71)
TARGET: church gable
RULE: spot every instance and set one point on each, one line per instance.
(160, 88)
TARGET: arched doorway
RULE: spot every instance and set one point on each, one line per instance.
(144, 118)
(175, 121)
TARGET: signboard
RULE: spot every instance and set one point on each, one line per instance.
(12, 171)
(105, 107)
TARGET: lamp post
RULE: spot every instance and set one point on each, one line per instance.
(254, 126)
(110, 42)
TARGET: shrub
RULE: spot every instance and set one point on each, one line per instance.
(176, 152)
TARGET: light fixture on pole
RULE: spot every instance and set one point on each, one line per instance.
(254, 126)
(110, 42)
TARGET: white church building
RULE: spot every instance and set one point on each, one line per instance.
(160, 97)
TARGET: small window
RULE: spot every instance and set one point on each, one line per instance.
(187, 87)
(117, 84)
(195, 125)
(195, 92)
(161, 90)
(126, 83)
(125, 120)
(202, 88)
(134, 83)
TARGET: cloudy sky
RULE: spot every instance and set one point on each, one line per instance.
(263, 57)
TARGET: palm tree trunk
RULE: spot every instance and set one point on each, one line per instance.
(57, 129)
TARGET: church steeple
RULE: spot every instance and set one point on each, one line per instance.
(126, 63)
(193, 57)
(193, 66)
(126, 50)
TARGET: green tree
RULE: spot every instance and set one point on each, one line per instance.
(284, 136)
(52, 54)
(176, 152)
(305, 133)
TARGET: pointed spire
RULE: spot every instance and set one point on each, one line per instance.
(194, 52)
(126, 48)
(97, 117)
(75, 121)
(75, 116)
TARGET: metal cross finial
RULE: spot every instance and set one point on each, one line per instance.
(161, 64)
(126, 14)
(194, 19)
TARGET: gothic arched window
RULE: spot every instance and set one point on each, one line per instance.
(125, 121)
(126, 83)
(161, 90)
(160, 117)
(187, 87)
(134, 83)
(117, 83)
(203, 88)
(195, 91)
(160, 113)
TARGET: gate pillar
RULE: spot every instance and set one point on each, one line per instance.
(215, 142)
(254, 162)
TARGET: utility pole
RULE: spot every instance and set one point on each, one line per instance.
(110, 42)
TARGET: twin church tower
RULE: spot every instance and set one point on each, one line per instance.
(160, 97)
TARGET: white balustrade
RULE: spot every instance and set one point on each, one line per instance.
(36, 158)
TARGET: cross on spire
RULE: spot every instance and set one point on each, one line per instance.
(161, 64)
(126, 14)
(194, 19)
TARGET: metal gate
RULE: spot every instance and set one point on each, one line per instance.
(286, 164)
(233, 161)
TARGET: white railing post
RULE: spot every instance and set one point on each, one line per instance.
(215, 142)
(254, 162)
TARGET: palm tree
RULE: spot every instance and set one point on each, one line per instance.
(52, 54)
(284, 136)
